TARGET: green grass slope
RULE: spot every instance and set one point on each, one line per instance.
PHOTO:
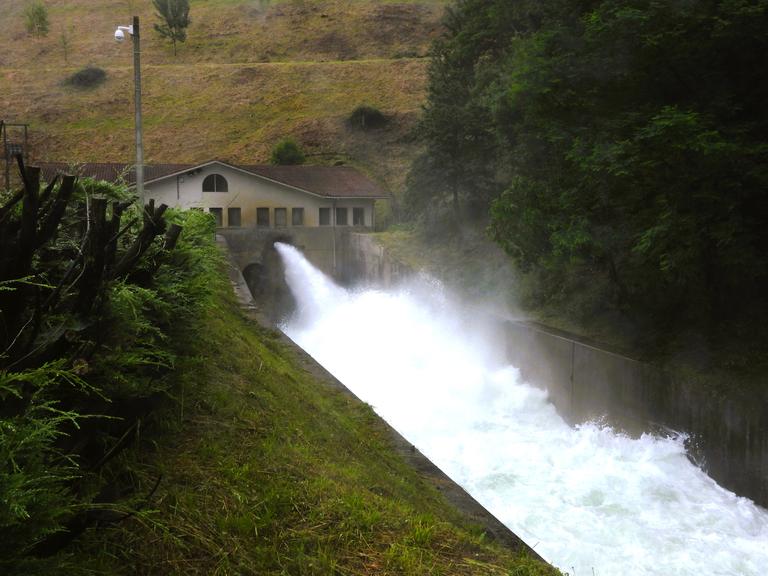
(266, 470)
(250, 73)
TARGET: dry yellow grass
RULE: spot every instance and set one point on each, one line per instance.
(233, 112)
(249, 75)
(226, 31)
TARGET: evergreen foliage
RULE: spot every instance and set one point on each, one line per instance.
(65, 40)
(174, 16)
(36, 19)
(287, 152)
(621, 146)
(87, 343)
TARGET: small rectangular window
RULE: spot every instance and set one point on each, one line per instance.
(341, 217)
(233, 216)
(218, 214)
(281, 217)
(325, 216)
(262, 217)
(297, 216)
(358, 217)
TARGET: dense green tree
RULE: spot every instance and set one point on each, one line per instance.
(287, 151)
(629, 140)
(174, 16)
(457, 168)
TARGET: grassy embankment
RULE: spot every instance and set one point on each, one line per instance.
(265, 470)
(250, 74)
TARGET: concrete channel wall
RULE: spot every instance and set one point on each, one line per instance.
(365, 259)
(728, 437)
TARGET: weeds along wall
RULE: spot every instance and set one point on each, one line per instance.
(97, 298)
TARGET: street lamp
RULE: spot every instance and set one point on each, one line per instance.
(120, 32)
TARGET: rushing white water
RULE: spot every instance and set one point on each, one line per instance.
(590, 500)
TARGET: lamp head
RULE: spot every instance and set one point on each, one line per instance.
(119, 35)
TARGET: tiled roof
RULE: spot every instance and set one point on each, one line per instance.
(328, 181)
(109, 171)
(332, 181)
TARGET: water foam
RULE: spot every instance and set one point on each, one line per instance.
(591, 501)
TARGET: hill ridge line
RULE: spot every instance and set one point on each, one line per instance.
(229, 64)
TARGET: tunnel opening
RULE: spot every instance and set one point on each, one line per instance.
(266, 281)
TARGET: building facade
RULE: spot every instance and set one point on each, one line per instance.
(254, 196)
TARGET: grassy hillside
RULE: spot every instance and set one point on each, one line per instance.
(251, 73)
(266, 470)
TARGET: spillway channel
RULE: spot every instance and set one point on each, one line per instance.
(590, 500)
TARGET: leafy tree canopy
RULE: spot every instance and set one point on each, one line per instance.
(287, 151)
(618, 143)
(174, 16)
(36, 19)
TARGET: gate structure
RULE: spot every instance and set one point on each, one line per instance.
(14, 141)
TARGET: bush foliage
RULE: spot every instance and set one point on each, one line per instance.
(287, 152)
(367, 118)
(88, 77)
(36, 19)
(81, 367)
(619, 145)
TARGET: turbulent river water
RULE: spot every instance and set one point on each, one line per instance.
(590, 500)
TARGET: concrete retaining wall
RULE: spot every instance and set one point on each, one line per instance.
(364, 259)
(728, 436)
(251, 245)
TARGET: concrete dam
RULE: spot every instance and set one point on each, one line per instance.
(550, 459)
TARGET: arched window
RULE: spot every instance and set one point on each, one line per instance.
(215, 183)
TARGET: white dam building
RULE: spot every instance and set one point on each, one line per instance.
(252, 196)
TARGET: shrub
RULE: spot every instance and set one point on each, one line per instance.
(35, 476)
(88, 77)
(367, 118)
(86, 352)
(174, 15)
(287, 152)
(36, 19)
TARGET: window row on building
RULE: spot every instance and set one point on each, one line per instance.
(280, 217)
(342, 217)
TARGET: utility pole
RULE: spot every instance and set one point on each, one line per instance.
(133, 30)
(137, 105)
